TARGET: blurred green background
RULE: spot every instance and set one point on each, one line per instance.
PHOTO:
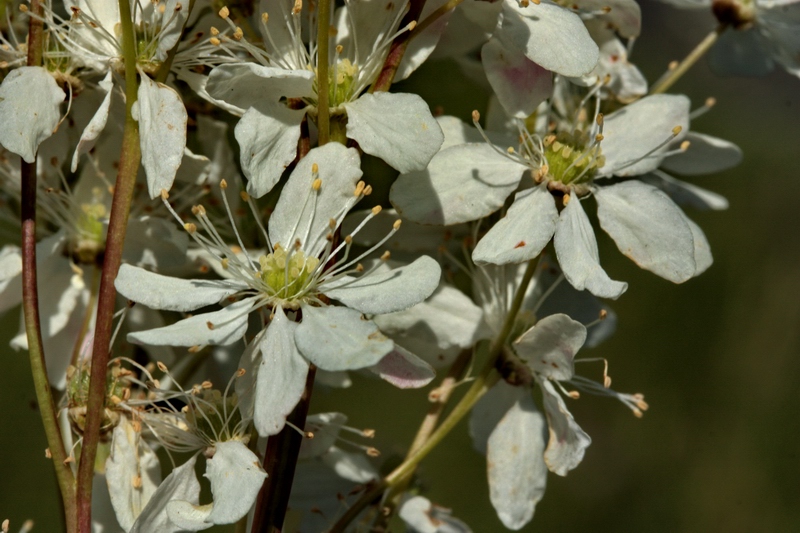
(717, 357)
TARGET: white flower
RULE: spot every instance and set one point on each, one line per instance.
(398, 127)
(469, 181)
(764, 32)
(507, 426)
(292, 280)
(422, 516)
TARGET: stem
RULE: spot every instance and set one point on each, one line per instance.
(280, 462)
(483, 382)
(674, 75)
(130, 157)
(30, 303)
(398, 49)
(323, 39)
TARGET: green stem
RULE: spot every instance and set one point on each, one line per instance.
(323, 39)
(130, 157)
(30, 303)
(674, 75)
(482, 383)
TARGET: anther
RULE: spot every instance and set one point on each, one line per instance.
(476, 116)
(161, 366)
(574, 394)
(244, 196)
(24, 8)
(368, 433)
(676, 130)
(317, 183)
(711, 101)
(599, 119)
(207, 385)
(264, 17)
(224, 12)
(298, 7)
(685, 146)
(47, 450)
(566, 199)
(359, 268)
(603, 314)
(238, 33)
(359, 188)
(396, 225)
(241, 372)
(348, 240)
(386, 255)
(373, 452)
(332, 224)
(377, 209)
(367, 190)
(223, 184)
(164, 194)
(214, 41)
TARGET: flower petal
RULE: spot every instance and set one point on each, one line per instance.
(421, 516)
(550, 346)
(686, 194)
(519, 83)
(568, 442)
(648, 228)
(549, 35)
(304, 214)
(523, 233)
(638, 129)
(352, 466)
(705, 155)
(281, 376)
(245, 85)
(576, 249)
(133, 473)
(490, 409)
(462, 183)
(517, 472)
(396, 127)
(96, 124)
(338, 338)
(222, 327)
(30, 101)
(423, 44)
(171, 294)
(404, 370)
(182, 485)
(162, 132)
(267, 135)
(387, 290)
(236, 477)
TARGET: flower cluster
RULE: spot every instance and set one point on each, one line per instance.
(475, 253)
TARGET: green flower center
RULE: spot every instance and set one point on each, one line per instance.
(568, 159)
(287, 276)
(89, 242)
(341, 83)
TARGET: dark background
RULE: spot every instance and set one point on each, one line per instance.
(716, 357)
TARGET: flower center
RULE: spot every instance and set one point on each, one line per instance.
(569, 160)
(287, 276)
(88, 242)
(214, 416)
(341, 83)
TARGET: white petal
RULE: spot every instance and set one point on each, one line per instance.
(648, 228)
(304, 214)
(236, 477)
(133, 473)
(702, 250)
(705, 155)
(639, 128)
(30, 101)
(462, 183)
(389, 290)
(517, 472)
(576, 249)
(281, 376)
(568, 442)
(188, 517)
(222, 327)
(155, 242)
(551, 36)
(404, 370)
(624, 16)
(550, 346)
(267, 135)
(421, 516)
(423, 44)
(175, 14)
(396, 127)
(162, 132)
(244, 85)
(10, 277)
(338, 338)
(171, 294)
(96, 125)
(438, 328)
(181, 484)
(683, 193)
(490, 409)
(519, 83)
(523, 233)
(351, 466)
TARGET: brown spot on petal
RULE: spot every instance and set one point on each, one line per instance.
(520, 244)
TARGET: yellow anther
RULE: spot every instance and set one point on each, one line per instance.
(191, 228)
(332, 223)
(673, 65)
(225, 263)
(215, 41)
(412, 25)
(711, 101)
(224, 12)
(164, 194)
(223, 184)
(396, 224)
(368, 433)
(599, 119)
(298, 7)
(348, 240)
(359, 268)
(238, 33)
(339, 48)
(367, 190)
(314, 168)
(359, 188)
(376, 210)
(677, 129)
(23, 8)
(373, 452)
(244, 196)
(603, 314)
(161, 366)
(206, 385)
(476, 116)
(264, 17)
(386, 255)
(685, 145)
(599, 137)
(566, 199)
(317, 183)
(241, 372)
(510, 150)
(575, 395)
(137, 482)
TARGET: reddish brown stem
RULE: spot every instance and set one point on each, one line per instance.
(384, 80)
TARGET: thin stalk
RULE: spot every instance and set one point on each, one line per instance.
(482, 383)
(30, 303)
(323, 39)
(130, 157)
(674, 75)
(280, 462)
(433, 17)
(397, 50)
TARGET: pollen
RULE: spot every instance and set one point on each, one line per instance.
(215, 41)
(396, 225)
(676, 130)
(377, 209)
(317, 183)
(224, 12)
